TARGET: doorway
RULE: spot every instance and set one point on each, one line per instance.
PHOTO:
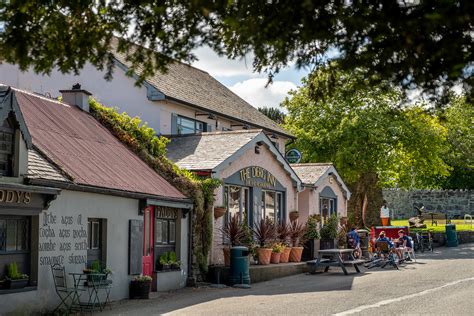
(148, 223)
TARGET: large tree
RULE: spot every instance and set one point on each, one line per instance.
(274, 114)
(423, 44)
(459, 120)
(372, 138)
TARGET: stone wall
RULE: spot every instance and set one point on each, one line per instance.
(451, 202)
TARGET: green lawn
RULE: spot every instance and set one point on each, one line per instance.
(460, 225)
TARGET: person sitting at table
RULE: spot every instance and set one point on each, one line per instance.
(403, 243)
(354, 242)
(391, 246)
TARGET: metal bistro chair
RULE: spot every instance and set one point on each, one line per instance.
(69, 296)
(382, 246)
(409, 252)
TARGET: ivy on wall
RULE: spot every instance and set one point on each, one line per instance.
(142, 140)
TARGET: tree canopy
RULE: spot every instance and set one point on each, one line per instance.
(274, 114)
(413, 44)
(372, 138)
(368, 130)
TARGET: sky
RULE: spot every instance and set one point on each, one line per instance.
(238, 76)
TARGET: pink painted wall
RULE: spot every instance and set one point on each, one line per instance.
(266, 160)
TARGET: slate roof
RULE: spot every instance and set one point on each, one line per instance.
(207, 150)
(40, 168)
(309, 173)
(197, 88)
(84, 150)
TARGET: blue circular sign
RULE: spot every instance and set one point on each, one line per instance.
(293, 156)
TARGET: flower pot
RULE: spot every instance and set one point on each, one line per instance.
(140, 289)
(219, 212)
(295, 254)
(226, 251)
(15, 284)
(285, 255)
(275, 257)
(264, 255)
(294, 216)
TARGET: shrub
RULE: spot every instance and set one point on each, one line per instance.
(329, 230)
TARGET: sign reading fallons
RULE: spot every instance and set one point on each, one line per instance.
(293, 156)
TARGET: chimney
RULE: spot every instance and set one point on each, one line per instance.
(77, 96)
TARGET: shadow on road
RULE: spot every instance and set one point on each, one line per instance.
(334, 280)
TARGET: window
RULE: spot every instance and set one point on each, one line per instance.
(97, 241)
(7, 141)
(14, 234)
(271, 202)
(165, 231)
(237, 201)
(94, 234)
(189, 126)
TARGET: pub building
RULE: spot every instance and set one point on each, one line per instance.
(325, 193)
(257, 180)
(71, 193)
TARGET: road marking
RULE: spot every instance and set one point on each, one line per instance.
(401, 298)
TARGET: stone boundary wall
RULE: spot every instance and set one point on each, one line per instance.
(451, 202)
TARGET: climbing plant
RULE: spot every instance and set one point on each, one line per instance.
(142, 140)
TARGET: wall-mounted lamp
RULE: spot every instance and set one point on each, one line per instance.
(274, 136)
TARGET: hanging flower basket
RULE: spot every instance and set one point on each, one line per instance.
(219, 211)
(294, 215)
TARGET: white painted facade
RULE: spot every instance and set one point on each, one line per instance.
(120, 92)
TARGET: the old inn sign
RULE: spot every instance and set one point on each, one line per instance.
(256, 177)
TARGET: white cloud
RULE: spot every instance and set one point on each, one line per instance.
(219, 66)
(254, 92)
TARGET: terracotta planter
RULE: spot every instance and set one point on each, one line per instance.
(219, 212)
(285, 255)
(264, 255)
(295, 254)
(226, 251)
(275, 258)
(294, 216)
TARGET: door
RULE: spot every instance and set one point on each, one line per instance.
(148, 222)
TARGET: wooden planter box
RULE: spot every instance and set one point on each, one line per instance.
(15, 284)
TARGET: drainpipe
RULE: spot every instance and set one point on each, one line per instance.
(190, 281)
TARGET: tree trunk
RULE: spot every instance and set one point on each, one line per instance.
(366, 200)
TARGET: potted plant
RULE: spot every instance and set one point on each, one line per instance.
(283, 234)
(165, 261)
(233, 233)
(140, 287)
(173, 261)
(312, 236)
(15, 279)
(329, 233)
(294, 215)
(277, 250)
(219, 211)
(297, 231)
(264, 233)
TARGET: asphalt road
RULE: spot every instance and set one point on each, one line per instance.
(440, 283)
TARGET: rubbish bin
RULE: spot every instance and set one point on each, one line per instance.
(364, 242)
(451, 236)
(239, 266)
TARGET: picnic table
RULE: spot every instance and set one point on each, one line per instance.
(334, 258)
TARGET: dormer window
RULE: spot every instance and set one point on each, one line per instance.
(7, 148)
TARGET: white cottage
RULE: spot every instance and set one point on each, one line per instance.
(71, 193)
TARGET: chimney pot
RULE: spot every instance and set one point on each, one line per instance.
(77, 96)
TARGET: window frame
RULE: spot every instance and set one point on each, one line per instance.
(27, 239)
(196, 123)
(169, 241)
